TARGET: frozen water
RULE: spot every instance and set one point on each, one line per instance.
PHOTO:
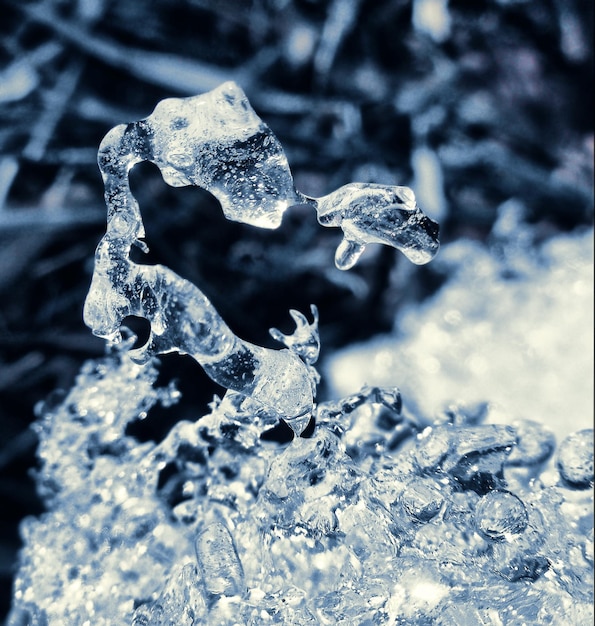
(317, 531)
(387, 514)
(575, 458)
(422, 499)
(218, 561)
(534, 444)
(500, 513)
(217, 142)
(370, 213)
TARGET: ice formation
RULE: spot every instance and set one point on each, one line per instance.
(375, 519)
(384, 515)
(217, 142)
(512, 327)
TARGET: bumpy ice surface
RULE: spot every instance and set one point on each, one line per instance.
(375, 519)
(384, 515)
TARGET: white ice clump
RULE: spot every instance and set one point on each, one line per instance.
(512, 327)
(217, 142)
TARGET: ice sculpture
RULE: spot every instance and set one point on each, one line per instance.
(216, 141)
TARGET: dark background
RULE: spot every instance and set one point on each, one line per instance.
(350, 87)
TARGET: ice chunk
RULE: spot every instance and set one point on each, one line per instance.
(521, 566)
(370, 213)
(183, 320)
(181, 602)
(432, 446)
(575, 459)
(218, 561)
(500, 513)
(298, 534)
(477, 456)
(304, 340)
(422, 499)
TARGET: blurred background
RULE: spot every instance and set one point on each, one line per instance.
(471, 102)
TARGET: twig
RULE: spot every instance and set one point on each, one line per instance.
(41, 219)
(165, 70)
(340, 20)
(56, 102)
(9, 168)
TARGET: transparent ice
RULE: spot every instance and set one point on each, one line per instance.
(389, 513)
(217, 142)
(437, 529)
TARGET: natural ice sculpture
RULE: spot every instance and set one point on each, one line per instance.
(217, 142)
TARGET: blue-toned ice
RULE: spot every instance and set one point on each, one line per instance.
(450, 505)
(297, 534)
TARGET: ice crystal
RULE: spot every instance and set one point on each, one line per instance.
(317, 531)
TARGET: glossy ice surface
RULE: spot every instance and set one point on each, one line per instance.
(217, 142)
(386, 514)
(375, 519)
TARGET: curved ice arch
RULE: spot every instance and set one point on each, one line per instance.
(217, 142)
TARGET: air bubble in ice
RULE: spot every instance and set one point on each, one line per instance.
(500, 513)
(575, 458)
(422, 499)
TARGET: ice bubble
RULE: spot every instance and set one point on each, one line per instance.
(575, 458)
(535, 444)
(500, 513)
(422, 499)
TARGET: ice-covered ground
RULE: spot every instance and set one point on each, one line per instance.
(513, 326)
(376, 518)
